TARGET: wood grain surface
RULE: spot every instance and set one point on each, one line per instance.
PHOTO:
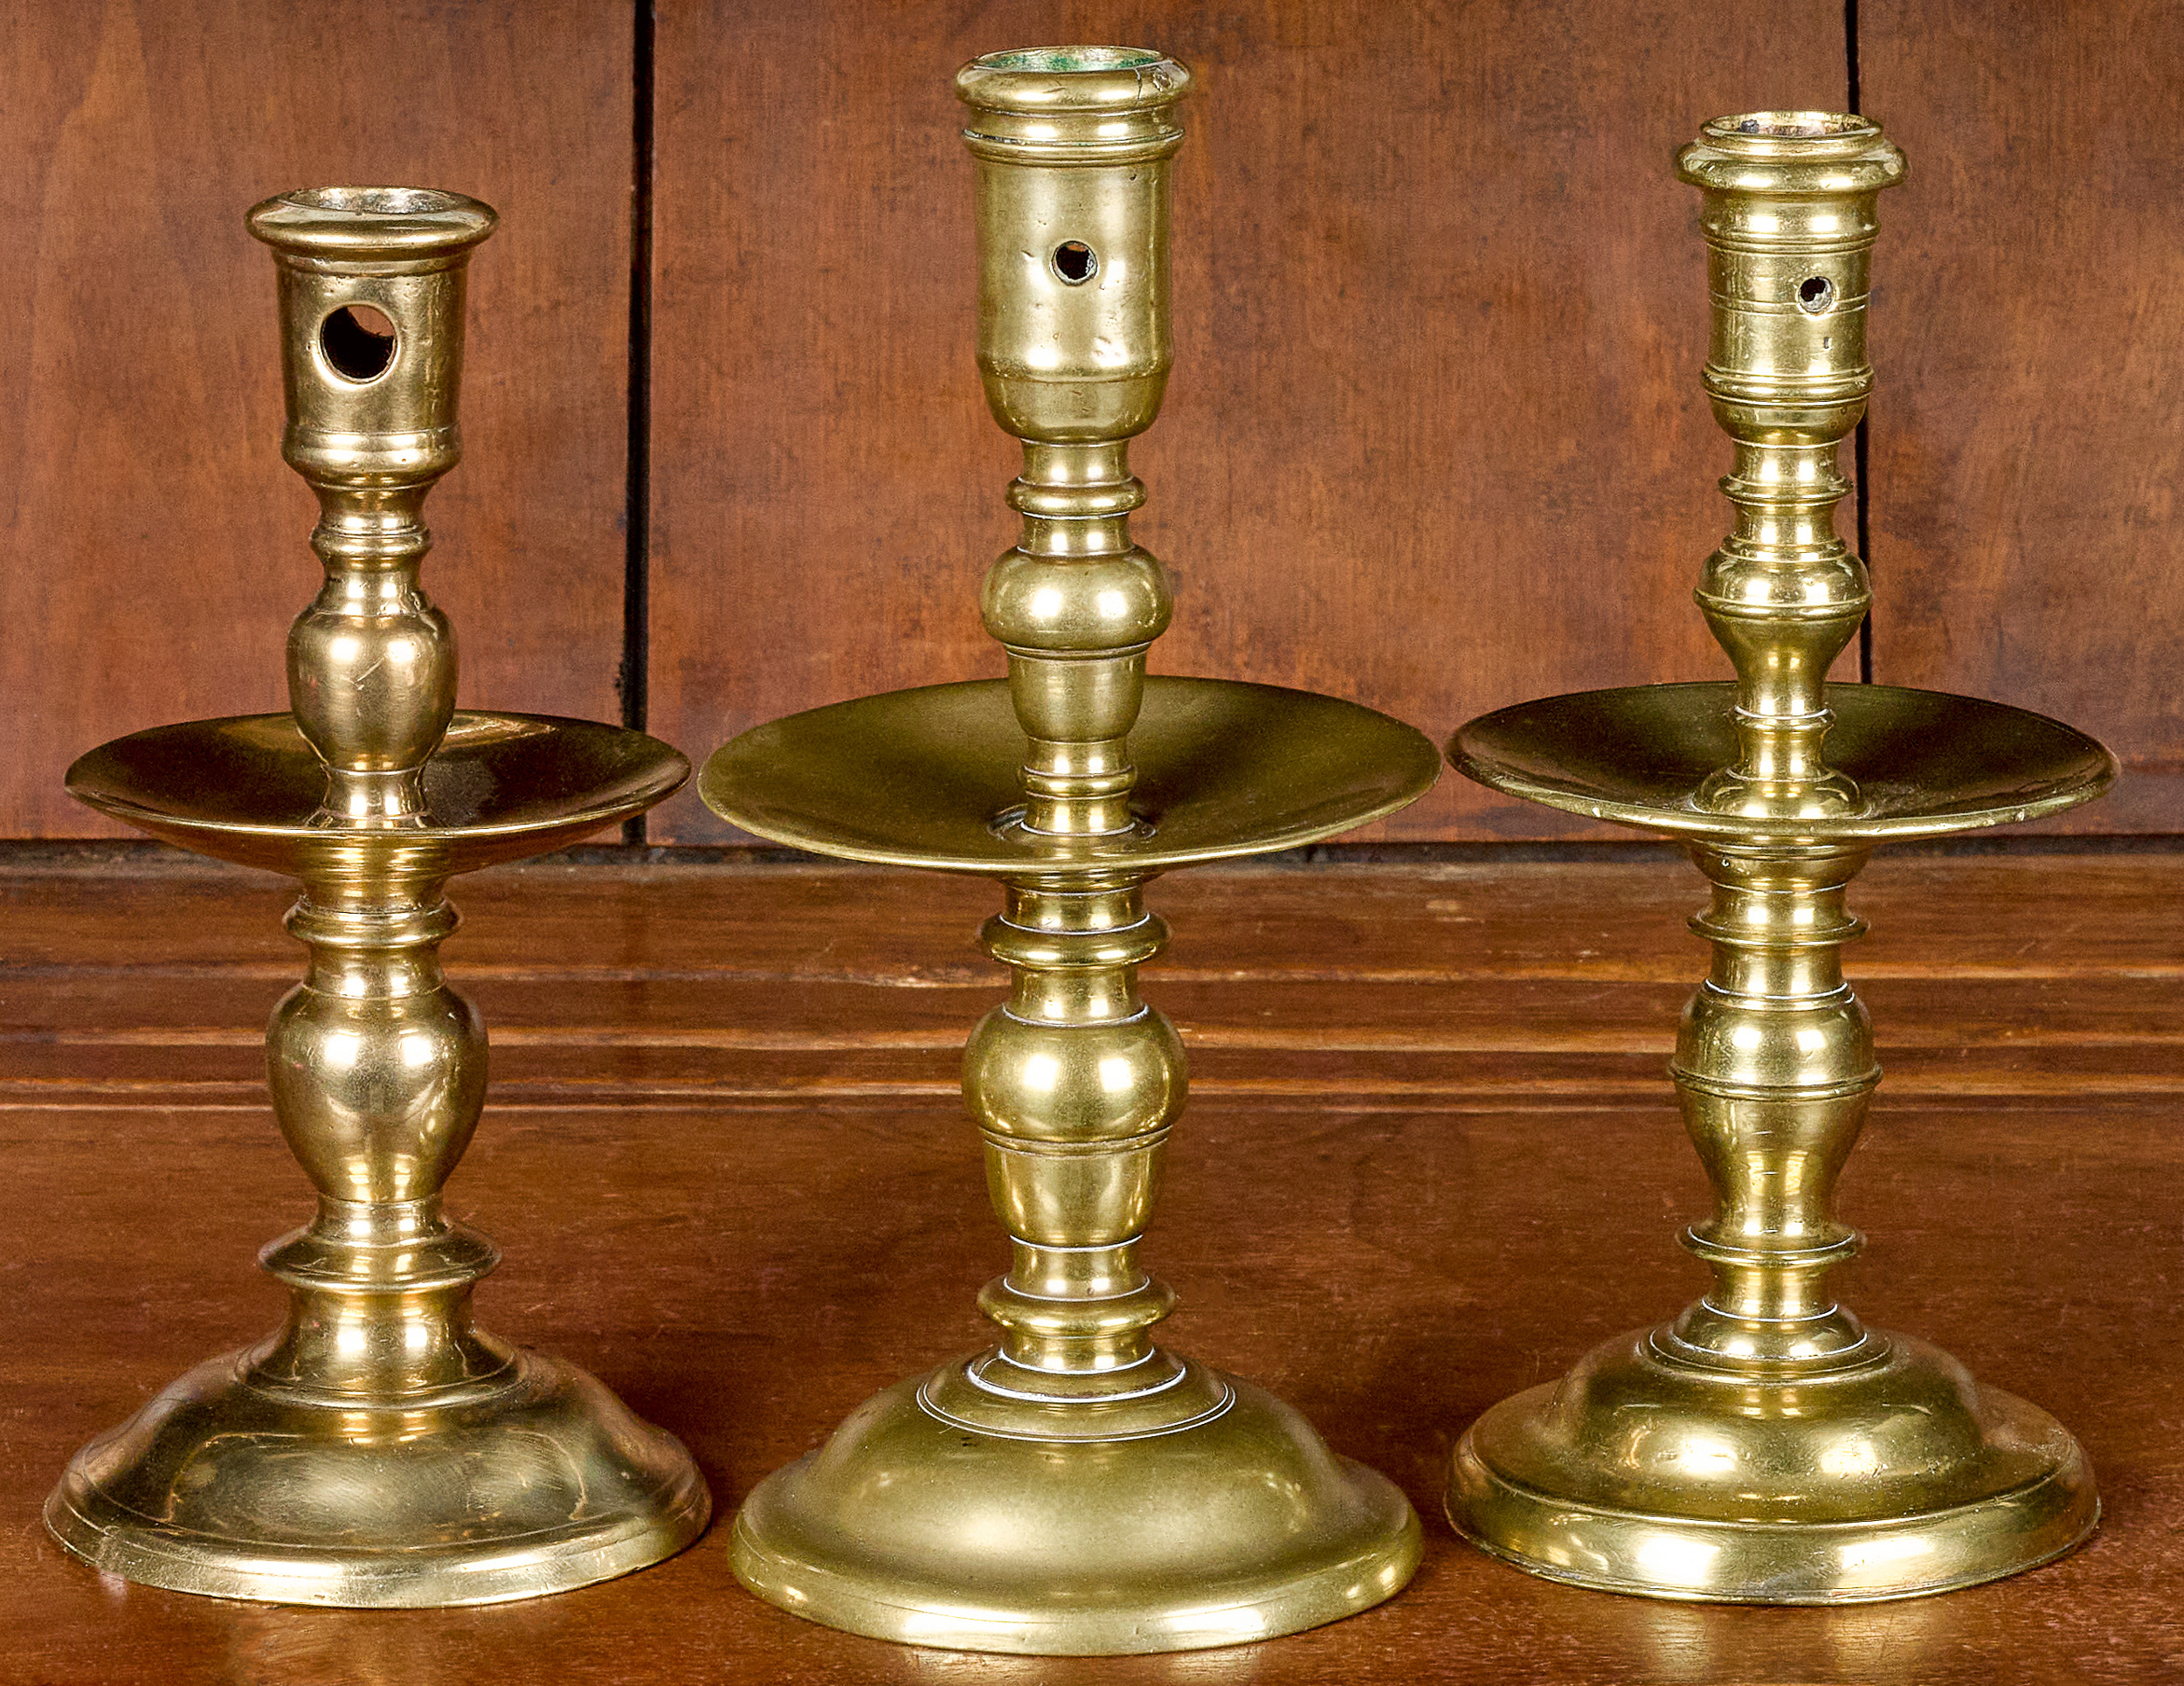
(2027, 435)
(152, 545)
(1431, 1157)
(1434, 440)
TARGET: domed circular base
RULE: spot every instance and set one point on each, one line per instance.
(501, 787)
(928, 777)
(1235, 1527)
(536, 1481)
(1925, 763)
(1888, 1479)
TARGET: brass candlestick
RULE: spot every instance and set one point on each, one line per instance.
(1075, 1489)
(380, 1449)
(1766, 1447)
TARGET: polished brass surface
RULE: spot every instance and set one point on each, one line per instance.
(1076, 1489)
(379, 1449)
(1925, 763)
(1766, 1447)
(1043, 1531)
(500, 787)
(913, 779)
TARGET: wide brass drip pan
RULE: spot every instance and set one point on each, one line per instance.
(501, 787)
(1926, 764)
(921, 777)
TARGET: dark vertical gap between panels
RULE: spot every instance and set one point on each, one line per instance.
(637, 512)
(1863, 504)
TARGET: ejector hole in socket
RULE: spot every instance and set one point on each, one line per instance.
(1814, 294)
(358, 341)
(1075, 262)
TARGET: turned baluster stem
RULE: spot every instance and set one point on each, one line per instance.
(1774, 1064)
(377, 1067)
(1073, 1083)
(1773, 1068)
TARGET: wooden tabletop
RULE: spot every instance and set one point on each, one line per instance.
(1431, 1157)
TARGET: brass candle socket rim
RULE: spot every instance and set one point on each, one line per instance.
(1032, 81)
(1791, 155)
(372, 225)
(1031, 106)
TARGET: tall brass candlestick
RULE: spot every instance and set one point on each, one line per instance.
(380, 1449)
(1766, 1447)
(1077, 1488)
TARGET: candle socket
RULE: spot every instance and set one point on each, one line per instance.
(1765, 1447)
(379, 1449)
(1077, 1488)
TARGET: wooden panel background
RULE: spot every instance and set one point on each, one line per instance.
(2029, 440)
(155, 543)
(1434, 440)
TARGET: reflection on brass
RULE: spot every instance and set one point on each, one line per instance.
(1076, 1489)
(380, 1449)
(1766, 1447)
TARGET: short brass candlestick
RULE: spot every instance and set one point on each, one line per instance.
(1077, 1488)
(1766, 1447)
(380, 1449)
